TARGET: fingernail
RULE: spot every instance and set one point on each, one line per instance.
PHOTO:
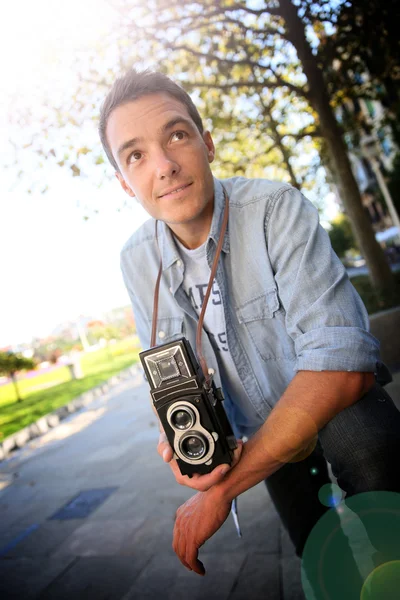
(165, 454)
(224, 470)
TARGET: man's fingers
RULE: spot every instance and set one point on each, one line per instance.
(237, 453)
(191, 559)
(164, 449)
(186, 551)
(202, 483)
(176, 547)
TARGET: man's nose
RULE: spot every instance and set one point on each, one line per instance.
(166, 167)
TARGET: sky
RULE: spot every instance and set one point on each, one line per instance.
(54, 265)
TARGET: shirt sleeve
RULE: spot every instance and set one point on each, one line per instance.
(325, 317)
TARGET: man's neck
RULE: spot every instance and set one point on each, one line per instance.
(195, 233)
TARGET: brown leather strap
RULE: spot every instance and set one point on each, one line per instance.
(156, 294)
(199, 350)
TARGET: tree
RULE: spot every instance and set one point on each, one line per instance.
(366, 48)
(248, 51)
(260, 63)
(11, 364)
(341, 235)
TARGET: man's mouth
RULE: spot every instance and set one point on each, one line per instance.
(175, 190)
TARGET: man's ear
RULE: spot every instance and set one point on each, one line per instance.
(210, 145)
(124, 185)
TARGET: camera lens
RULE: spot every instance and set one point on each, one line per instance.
(194, 446)
(182, 418)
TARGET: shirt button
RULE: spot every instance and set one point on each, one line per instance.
(170, 289)
(179, 263)
(211, 371)
(161, 334)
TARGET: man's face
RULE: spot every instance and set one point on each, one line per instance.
(163, 158)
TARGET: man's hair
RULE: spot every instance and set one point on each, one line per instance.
(134, 85)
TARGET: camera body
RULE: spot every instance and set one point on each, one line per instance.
(190, 411)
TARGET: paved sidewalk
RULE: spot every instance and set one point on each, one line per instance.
(122, 549)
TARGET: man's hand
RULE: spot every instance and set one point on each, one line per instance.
(198, 482)
(196, 521)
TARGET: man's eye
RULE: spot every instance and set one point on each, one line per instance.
(178, 135)
(134, 157)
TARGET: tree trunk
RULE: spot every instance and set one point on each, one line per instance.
(379, 269)
(14, 380)
(284, 151)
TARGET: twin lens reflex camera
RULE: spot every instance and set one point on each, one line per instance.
(190, 410)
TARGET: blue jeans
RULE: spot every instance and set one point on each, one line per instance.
(362, 444)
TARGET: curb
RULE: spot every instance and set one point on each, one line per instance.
(18, 439)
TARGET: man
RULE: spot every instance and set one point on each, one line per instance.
(285, 333)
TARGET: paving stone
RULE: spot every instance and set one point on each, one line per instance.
(165, 577)
(42, 425)
(102, 538)
(157, 503)
(95, 578)
(15, 500)
(153, 536)
(43, 502)
(22, 437)
(259, 579)
(46, 539)
(128, 539)
(119, 503)
(83, 504)
(53, 420)
(287, 547)
(26, 578)
(8, 444)
(11, 533)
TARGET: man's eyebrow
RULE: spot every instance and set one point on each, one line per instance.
(128, 144)
(166, 127)
(176, 121)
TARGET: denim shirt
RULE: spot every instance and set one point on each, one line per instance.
(287, 299)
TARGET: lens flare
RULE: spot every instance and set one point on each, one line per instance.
(333, 556)
(330, 495)
(383, 582)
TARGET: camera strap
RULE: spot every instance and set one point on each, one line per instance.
(199, 350)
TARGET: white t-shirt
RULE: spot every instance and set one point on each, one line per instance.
(195, 282)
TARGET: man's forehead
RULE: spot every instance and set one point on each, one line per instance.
(150, 107)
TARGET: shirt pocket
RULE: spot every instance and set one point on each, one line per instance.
(168, 329)
(263, 318)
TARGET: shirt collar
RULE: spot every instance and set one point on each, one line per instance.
(218, 216)
(168, 248)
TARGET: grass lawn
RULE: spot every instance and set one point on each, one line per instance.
(49, 391)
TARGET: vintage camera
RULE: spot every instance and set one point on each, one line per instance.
(191, 412)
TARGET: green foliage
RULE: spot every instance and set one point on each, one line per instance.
(11, 363)
(371, 298)
(341, 235)
(97, 368)
(99, 330)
